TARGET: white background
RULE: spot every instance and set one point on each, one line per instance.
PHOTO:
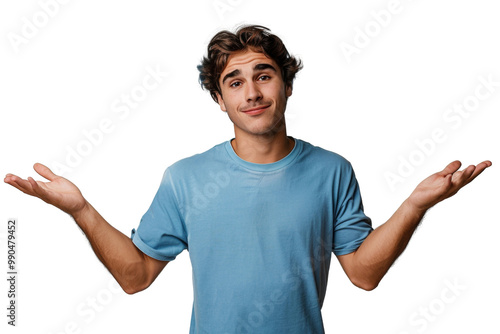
(63, 80)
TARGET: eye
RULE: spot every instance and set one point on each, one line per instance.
(235, 84)
(264, 78)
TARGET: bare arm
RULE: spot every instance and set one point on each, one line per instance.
(133, 270)
(370, 262)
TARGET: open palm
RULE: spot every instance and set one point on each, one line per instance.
(444, 184)
(59, 192)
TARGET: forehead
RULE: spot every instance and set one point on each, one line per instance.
(248, 58)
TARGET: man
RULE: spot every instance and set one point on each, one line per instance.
(260, 214)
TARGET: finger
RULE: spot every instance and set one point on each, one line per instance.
(451, 168)
(19, 184)
(479, 169)
(486, 164)
(9, 178)
(44, 171)
(460, 178)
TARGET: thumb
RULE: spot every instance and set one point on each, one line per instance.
(45, 171)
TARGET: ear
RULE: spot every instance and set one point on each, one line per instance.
(220, 100)
(288, 90)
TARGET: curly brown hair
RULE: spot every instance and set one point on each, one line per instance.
(260, 39)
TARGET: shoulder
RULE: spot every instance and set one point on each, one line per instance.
(324, 157)
(198, 161)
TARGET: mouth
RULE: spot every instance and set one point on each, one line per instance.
(255, 111)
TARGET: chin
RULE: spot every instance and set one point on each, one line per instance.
(261, 127)
(271, 130)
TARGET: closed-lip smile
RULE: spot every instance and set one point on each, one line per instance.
(255, 111)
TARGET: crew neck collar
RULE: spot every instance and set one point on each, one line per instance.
(297, 148)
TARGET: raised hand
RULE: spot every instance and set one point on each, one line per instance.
(444, 184)
(59, 192)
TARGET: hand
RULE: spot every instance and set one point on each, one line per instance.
(444, 184)
(59, 192)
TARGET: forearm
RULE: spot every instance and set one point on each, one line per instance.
(114, 249)
(384, 245)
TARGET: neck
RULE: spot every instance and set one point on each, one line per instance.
(262, 149)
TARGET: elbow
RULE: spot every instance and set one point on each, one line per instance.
(133, 280)
(366, 284)
(130, 289)
(368, 287)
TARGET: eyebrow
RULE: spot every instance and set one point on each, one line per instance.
(258, 67)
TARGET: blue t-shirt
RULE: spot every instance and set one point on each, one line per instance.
(259, 236)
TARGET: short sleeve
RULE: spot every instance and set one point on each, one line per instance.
(161, 233)
(351, 225)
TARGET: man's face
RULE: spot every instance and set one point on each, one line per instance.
(253, 93)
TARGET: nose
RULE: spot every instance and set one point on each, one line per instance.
(253, 92)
